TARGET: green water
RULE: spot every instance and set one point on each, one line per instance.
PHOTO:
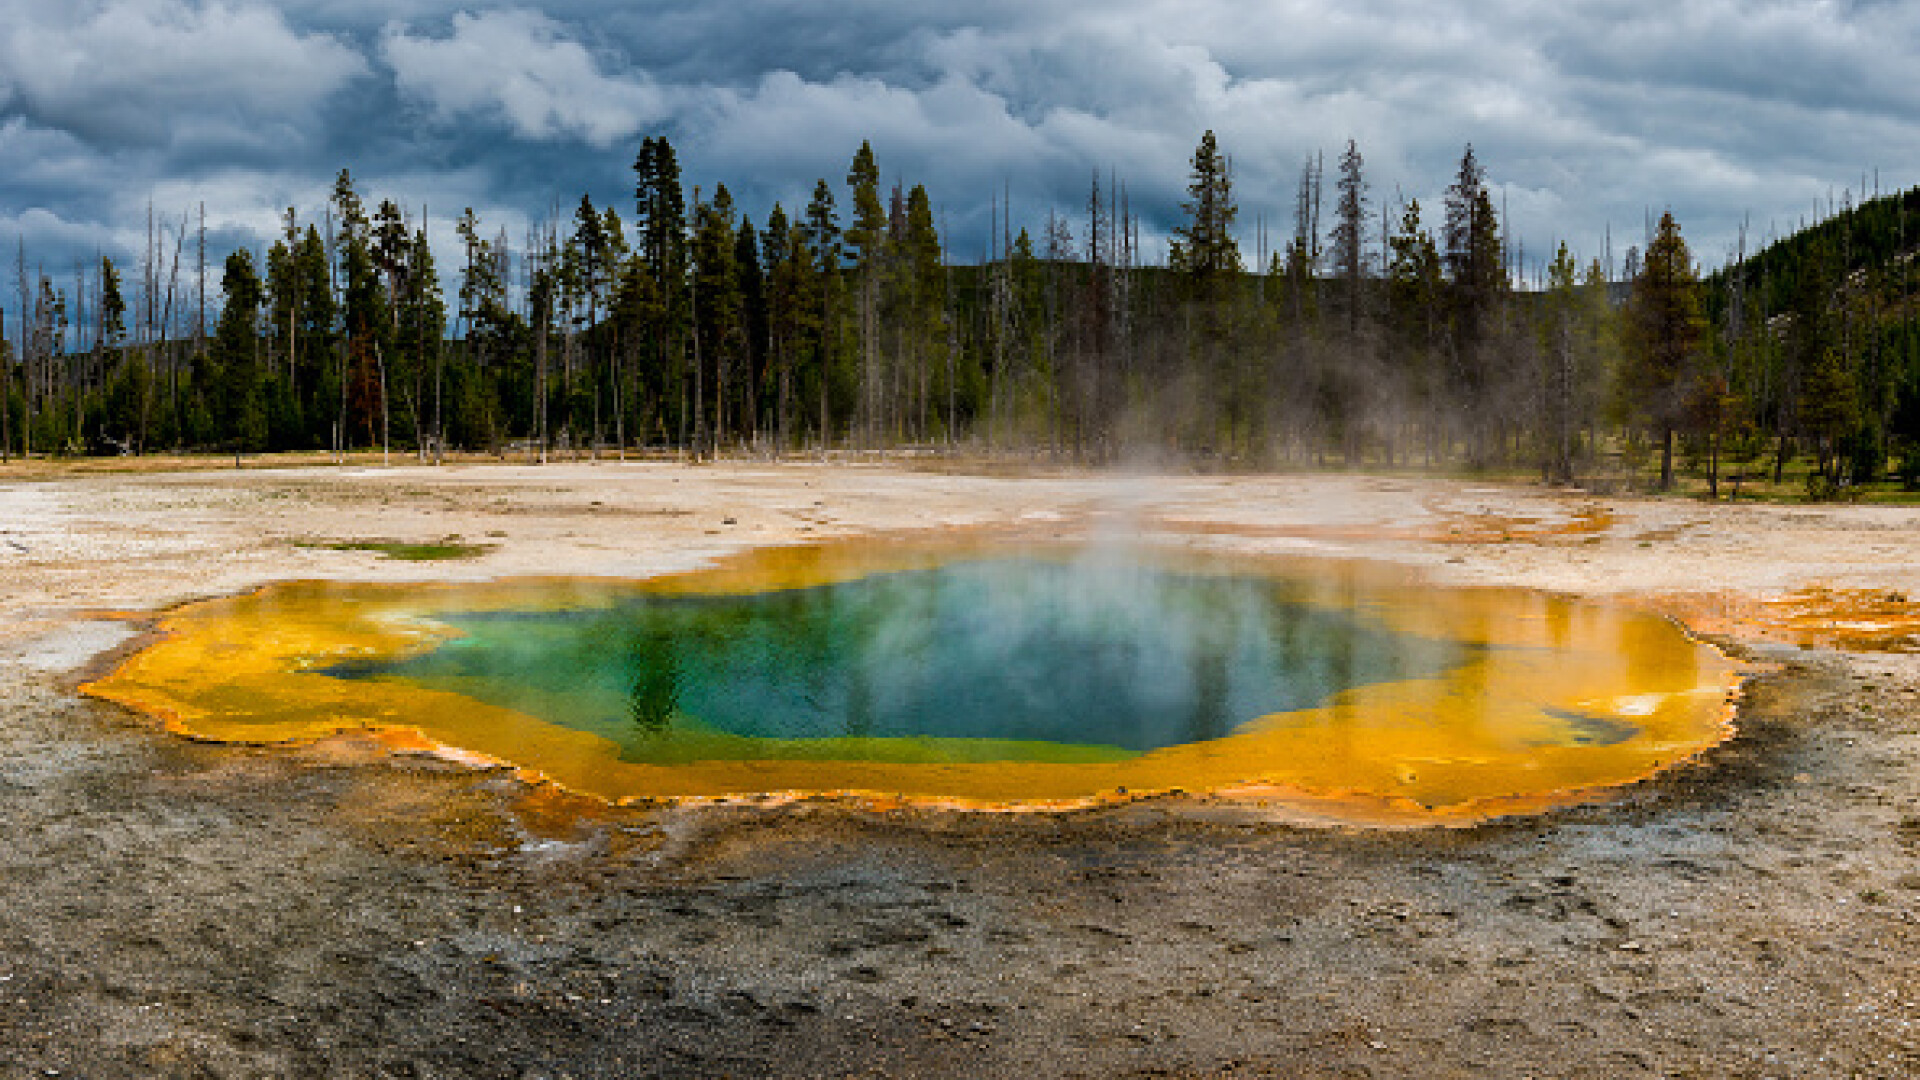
(993, 659)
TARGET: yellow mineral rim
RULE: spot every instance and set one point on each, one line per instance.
(1485, 738)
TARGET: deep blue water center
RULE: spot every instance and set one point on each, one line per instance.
(1010, 655)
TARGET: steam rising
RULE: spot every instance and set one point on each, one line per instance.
(1099, 650)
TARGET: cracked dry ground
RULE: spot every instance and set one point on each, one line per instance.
(169, 908)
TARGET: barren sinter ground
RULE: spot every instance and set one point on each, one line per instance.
(171, 908)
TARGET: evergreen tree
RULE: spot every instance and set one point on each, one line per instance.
(1825, 403)
(867, 233)
(234, 384)
(925, 280)
(1415, 300)
(1829, 413)
(588, 279)
(482, 291)
(660, 207)
(301, 302)
(1349, 233)
(114, 410)
(391, 247)
(1557, 368)
(1204, 250)
(661, 219)
(752, 388)
(866, 244)
(823, 237)
(617, 337)
(364, 309)
(1476, 280)
(590, 240)
(723, 329)
(1665, 329)
(717, 333)
(792, 312)
(113, 307)
(422, 328)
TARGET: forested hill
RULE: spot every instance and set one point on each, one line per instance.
(1880, 237)
(1382, 333)
(1820, 334)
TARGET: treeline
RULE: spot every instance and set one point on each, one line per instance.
(1377, 334)
(1817, 346)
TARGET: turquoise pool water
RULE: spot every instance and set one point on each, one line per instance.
(987, 659)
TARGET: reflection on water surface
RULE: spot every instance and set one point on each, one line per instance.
(1012, 658)
(1006, 676)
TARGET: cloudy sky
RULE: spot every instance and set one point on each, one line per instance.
(1586, 115)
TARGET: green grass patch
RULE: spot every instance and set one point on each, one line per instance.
(434, 551)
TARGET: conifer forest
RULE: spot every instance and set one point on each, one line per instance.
(1381, 333)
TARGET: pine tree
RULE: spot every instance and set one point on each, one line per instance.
(823, 236)
(1416, 321)
(1825, 407)
(1829, 413)
(1476, 282)
(113, 307)
(235, 383)
(717, 333)
(1301, 261)
(752, 289)
(1349, 233)
(661, 220)
(366, 322)
(422, 327)
(615, 338)
(549, 291)
(925, 277)
(306, 297)
(1665, 329)
(1557, 368)
(866, 233)
(867, 238)
(792, 312)
(392, 246)
(483, 289)
(1204, 250)
(589, 245)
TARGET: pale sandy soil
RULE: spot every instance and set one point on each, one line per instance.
(172, 908)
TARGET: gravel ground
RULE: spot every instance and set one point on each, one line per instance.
(173, 908)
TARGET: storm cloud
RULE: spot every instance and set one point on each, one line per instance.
(1588, 117)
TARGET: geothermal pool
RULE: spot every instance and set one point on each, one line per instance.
(1005, 675)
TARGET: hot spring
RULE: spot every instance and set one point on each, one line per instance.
(969, 675)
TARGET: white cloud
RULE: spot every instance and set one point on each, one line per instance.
(128, 69)
(1584, 114)
(42, 230)
(521, 65)
(788, 119)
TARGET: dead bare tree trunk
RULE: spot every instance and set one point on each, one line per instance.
(953, 343)
(386, 437)
(6, 395)
(149, 285)
(200, 320)
(166, 321)
(26, 359)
